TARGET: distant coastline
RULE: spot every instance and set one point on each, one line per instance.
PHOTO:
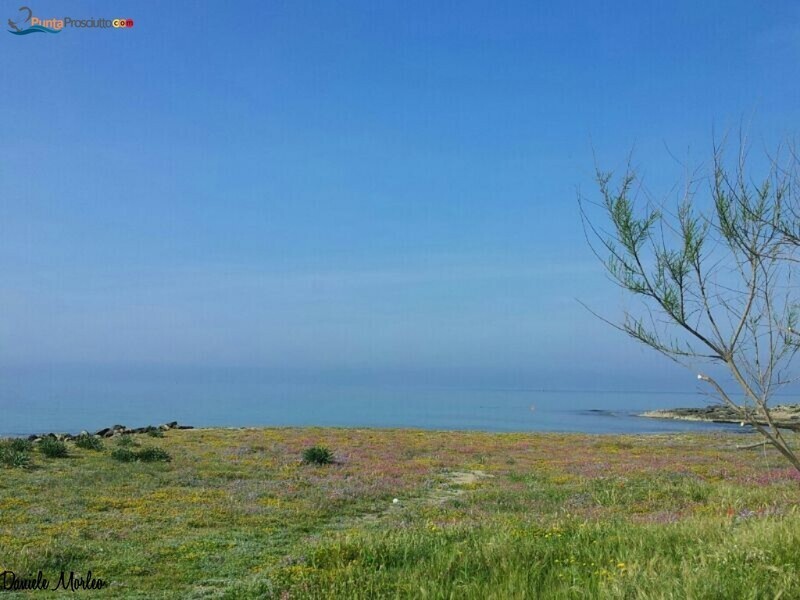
(786, 416)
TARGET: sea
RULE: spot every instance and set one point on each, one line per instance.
(68, 401)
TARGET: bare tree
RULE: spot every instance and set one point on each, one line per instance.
(713, 274)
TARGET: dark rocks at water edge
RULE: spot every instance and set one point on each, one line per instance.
(786, 416)
(108, 432)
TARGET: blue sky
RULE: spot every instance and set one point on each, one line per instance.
(355, 186)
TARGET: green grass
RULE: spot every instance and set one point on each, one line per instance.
(569, 560)
(89, 442)
(17, 445)
(15, 453)
(317, 455)
(53, 448)
(150, 454)
(123, 454)
(15, 459)
(125, 441)
(237, 514)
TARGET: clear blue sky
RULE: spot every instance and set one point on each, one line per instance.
(356, 186)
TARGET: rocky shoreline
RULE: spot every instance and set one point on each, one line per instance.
(785, 416)
(108, 432)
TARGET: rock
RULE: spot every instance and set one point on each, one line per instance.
(108, 432)
(784, 416)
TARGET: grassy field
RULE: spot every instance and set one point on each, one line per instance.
(236, 514)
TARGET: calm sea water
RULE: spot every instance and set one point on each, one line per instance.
(42, 401)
